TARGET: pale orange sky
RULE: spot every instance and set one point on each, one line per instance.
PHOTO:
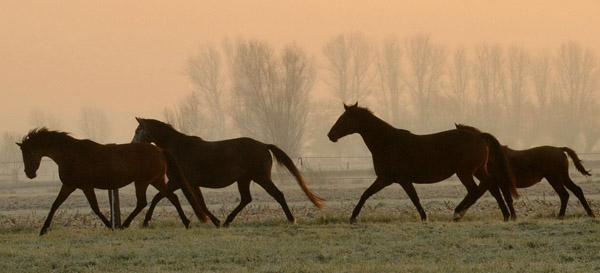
(127, 56)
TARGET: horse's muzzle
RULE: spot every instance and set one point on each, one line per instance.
(31, 175)
(332, 138)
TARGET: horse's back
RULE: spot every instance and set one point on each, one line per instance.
(531, 165)
(115, 165)
(433, 157)
(217, 164)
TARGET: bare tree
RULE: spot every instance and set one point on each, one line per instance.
(10, 154)
(578, 78)
(390, 76)
(459, 80)
(94, 124)
(206, 74)
(350, 59)
(39, 118)
(426, 61)
(541, 74)
(187, 116)
(270, 92)
(517, 69)
(541, 71)
(488, 79)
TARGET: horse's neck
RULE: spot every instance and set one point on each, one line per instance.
(59, 151)
(377, 134)
(168, 138)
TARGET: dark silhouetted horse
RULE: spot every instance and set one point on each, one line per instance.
(532, 165)
(218, 164)
(404, 158)
(86, 165)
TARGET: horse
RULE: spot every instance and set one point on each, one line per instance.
(87, 165)
(218, 164)
(532, 165)
(405, 158)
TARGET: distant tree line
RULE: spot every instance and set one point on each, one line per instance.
(526, 98)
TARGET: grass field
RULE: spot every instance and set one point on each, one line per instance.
(388, 237)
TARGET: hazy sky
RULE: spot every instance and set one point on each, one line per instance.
(126, 57)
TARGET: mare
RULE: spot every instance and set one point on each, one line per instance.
(405, 158)
(532, 165)
(218, 164)
(86, 165)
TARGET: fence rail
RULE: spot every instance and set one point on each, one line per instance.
(318, 167)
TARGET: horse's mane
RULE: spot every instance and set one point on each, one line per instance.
(367, 115)
(43, 132)
(466, 127)
(162, 125)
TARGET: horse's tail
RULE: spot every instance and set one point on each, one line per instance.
(505, 171)
(186, 187)
(576, 161)
(283, 159)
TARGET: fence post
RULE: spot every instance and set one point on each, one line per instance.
(115, 207)
(115, 210)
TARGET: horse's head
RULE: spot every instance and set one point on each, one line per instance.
(346, 124)
(31, 158)
(141, 132)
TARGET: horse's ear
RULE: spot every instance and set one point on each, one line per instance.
(19, 144)
(355, 104)
(139, 120)
(346, 107)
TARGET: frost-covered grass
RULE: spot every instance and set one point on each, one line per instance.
(386, 239)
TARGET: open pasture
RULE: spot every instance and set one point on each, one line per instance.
(388, 236)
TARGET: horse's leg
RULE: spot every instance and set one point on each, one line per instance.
(509, 202)
(270, 187)
(159, 196)
(563, 194)
(91, 197)
(412, 194)
(495, 191)
(473, 193)
(246, 198)
(579, 193)
(200, 197)
(378, 185)
(140, 194)
(176, 185)
(163, 190)
(64, 192)
(171, 187)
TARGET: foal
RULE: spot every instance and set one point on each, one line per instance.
(531, 166)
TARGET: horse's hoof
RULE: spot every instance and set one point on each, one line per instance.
(43, 231)
(591, 214)
(459, 215)
(352, 220)
(226, 225)
(293, 221)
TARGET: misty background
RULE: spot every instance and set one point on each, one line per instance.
(279, 72)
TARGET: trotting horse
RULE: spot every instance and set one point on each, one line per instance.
(86, 165)
(404, 158)
(531, 166)
(218, 164)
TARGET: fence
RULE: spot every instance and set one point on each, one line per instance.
(315, 167)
